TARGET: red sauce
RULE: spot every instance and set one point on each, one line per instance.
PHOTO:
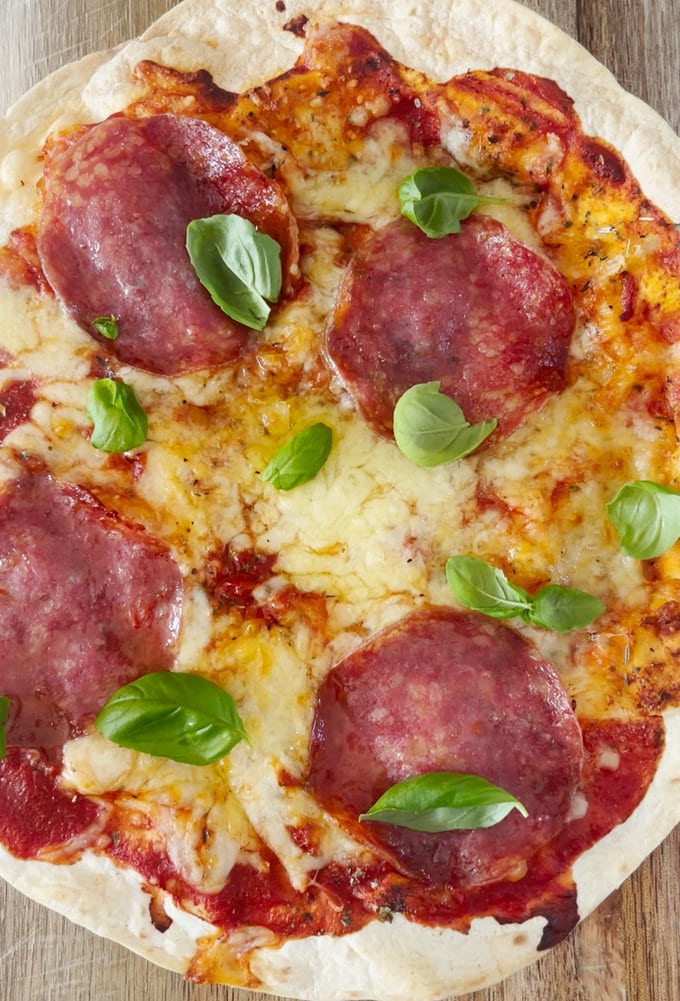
(34, 812)
(373, 67)
(231, 576)
(421, 122)
(250, 897)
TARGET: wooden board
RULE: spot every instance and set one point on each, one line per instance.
(629, 950)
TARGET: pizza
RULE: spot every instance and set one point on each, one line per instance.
(339, 496)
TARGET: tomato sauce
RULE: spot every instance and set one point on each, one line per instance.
(35, 814)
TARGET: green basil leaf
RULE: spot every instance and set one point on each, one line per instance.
(430, 429)
(240, 267)
(647, 517)
(563, 608)
(119, 420)
(485, 588)
(183, 717)
(300, 458)
(437, 199)
(107, 326)
(443, 801)
(4, 716)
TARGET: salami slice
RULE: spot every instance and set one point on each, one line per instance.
(87, 603)
(478, 311)
(113, 230)
(449, 691)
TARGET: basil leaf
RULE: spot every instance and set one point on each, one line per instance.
(240, 267)
(647, 518)
(119, 420)
(437, 199)
(4, 716)
(183, 717)
(107, 326)
(443, 801)
(563, 608)
(300, 458)
(430, 429)
(485, 588)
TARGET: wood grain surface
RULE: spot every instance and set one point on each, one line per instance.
(629, 950)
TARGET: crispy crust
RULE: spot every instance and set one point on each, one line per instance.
(396, 961)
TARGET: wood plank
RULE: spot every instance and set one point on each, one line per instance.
(629, 950)
(640, 44)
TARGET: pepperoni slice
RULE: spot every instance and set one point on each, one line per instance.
(449, 691)
(113, 231)
(478, 311)
(87, 603)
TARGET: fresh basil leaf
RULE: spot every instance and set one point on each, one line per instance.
(4, 716)
(647, 517)
(430, 428)
(300, 458)
(437, 199)
(107, 326)
(183, 717)
(443, 801)
(119, 420)
(485, 588)
(240, 267)
(563, 608)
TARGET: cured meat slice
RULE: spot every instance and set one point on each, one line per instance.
(478, 311)
(449, 691)
(113, 230)
(87, 603)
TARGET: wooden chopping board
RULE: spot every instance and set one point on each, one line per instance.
(629, 950)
